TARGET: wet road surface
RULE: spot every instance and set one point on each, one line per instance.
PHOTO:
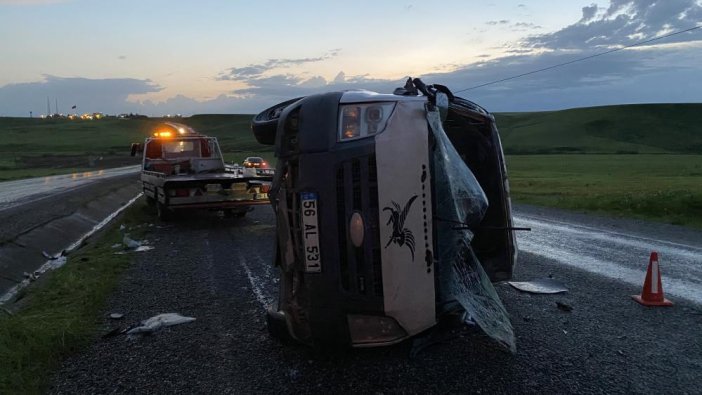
(218, 270)
(615, 253)
(15, 193)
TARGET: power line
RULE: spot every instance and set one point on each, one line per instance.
(581, 59)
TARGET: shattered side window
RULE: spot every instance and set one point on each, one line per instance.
(460, 205)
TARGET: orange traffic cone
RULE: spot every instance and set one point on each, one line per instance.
(652, 292)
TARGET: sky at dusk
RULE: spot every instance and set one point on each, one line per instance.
(159, 57)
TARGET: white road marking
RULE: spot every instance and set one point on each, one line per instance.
(257, 285)
(615, 255)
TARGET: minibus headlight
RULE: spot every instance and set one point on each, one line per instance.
(363, 120)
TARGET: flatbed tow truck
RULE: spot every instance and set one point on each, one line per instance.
(183, 169)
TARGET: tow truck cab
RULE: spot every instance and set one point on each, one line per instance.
(356, 202)
(183, 169)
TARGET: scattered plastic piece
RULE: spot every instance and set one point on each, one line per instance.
(116, 246)
(159, 321)
(130, 243)
(53, 257)
(540, 286)
(48, 256)
(564, 307)
(116, 316)
(138, 249)
(29, 276)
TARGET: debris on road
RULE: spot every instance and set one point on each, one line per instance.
(138, 249)
(540, 286)
(159, 321)
(564, 307)
(150, 325)
(29, 276)
(53, 257)
(130, 243)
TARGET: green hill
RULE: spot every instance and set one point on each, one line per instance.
(636, 128)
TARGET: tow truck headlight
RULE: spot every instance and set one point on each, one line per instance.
(363, 120)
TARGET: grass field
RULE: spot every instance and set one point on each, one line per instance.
(663, 187)
(61, 314)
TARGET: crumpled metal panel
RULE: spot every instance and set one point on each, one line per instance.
(461, 200)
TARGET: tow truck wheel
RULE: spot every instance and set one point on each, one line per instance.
(163, 213)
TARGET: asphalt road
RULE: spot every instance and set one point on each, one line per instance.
(19, 192)
(218, 271)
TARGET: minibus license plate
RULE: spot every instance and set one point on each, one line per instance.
(310, 232)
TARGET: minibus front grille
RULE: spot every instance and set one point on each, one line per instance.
(357, 191)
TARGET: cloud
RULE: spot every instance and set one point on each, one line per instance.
(664, 71)
(288, 85)
(90, 95)
(589, 13)
(254, 71)
(122, 57)
(624, 22)
(523, 26)
(661, 71)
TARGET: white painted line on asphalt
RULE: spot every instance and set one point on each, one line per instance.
(256, 285)
(57, 263)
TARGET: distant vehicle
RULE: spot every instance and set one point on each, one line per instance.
(393, 213)
(255, 161)
(182, 169)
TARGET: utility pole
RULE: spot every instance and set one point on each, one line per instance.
(48, 108)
